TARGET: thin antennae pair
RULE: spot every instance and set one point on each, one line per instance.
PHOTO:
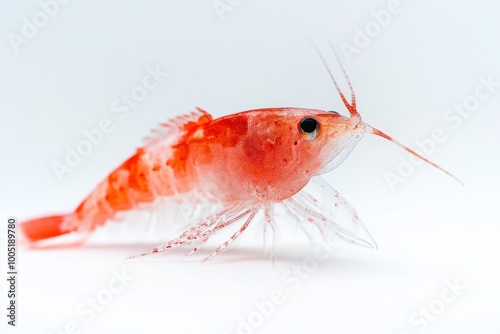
(353, 111)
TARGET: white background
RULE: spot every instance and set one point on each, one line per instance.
(430, 56)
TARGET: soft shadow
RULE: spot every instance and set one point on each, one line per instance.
(345, 258)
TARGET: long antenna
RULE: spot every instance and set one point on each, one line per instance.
(370, 129)
(353, 109)
(350, 106)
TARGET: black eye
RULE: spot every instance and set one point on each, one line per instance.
(308, 125)
(333, 112)
(309, 128)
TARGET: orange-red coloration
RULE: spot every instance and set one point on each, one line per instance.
(243, 162)
(43, 228)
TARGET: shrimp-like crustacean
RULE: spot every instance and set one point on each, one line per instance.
(241, 165)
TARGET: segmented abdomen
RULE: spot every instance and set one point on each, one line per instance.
(148, 174)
